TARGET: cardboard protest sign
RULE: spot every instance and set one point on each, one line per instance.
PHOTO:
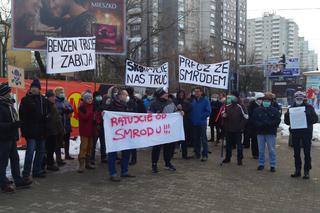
(34, 21)
(70, 54)
(124, 131)
(209, 75)
(140, 76)
(16, 77)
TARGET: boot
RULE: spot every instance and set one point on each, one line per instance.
(88, 164)
(81, 165)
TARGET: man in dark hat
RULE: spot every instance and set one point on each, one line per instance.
(9, 125)
(162, 105)
(33, 114)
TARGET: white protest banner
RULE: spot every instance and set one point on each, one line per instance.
(154, 77)
(75, 54)
(124, 131)
(209, 75)
(298, 118)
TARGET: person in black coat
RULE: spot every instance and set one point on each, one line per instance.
(303, 134)
(266, 119)
(214, 121)
(33, 114)
(183, 104)
(9, 125)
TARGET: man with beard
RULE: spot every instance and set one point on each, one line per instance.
(78, 19)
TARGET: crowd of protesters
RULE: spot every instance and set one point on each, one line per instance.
(44, 122)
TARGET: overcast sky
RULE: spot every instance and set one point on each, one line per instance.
(308, 20)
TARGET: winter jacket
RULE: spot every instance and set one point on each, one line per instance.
(54, 122)
(147, 103)
(251, 108)
(7, 131)
(201, 110)
(215, 109)
(266, 120)
(237, 118)
(65, 109)
(311, 116)
(186, 108)
(160, 105)
(118, 106)
(33, 114)
(86, 120)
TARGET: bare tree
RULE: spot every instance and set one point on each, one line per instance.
(5, 25)
(251, 78)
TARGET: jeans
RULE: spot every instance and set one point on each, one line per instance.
(102, 146)
(168, 150)
(38, 146)
(270, 140)
(8, 149)
(234, 138)
(200, 138)
(112, 158)
(306, 143)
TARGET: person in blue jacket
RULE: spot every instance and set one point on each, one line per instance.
(201, 110)
(266, 120)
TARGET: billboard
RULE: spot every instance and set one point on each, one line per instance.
(35, 20)
(276, 68)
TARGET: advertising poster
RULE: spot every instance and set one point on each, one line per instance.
(35, 20)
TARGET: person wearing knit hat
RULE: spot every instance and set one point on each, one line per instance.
(9, 125)
(303, 134)
(33, 112)
(86, 131)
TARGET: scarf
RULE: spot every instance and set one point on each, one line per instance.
(9, 102)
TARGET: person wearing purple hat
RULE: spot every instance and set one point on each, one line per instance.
(33, 113)
(9, 125)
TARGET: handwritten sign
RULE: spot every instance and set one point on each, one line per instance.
(71, 54)
(124, 131)
(209, 75)
(16, 77)
(153, 77)
(298, 118)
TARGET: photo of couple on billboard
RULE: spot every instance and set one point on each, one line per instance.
(34, 20)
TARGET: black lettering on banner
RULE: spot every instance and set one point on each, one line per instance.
(129, 66)
(199, 67)
(203, 77)
(182, 76)
(225, 68)
(209, 79)
(181, 60)
(195, 75)
(207, 68)
(50, 45)
(217, 69)
(63, 65)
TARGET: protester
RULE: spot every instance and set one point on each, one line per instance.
(54, 132)
(86, 130)
(250, 134)
(214, 122)
(161, 104)
(147, 99)
(184, 105)
(302, 135)
(33, 114)
(137, 106)
(235, 118)
(9, 125)
(65, 109)
(99, 134)
(119, 104)
(200, 112)
(265, 120)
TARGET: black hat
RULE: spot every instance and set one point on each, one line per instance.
(36, 83)
(50, 93)
(4, 89)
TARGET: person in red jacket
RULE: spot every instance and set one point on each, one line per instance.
(86, 130)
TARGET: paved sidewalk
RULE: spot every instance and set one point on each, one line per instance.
(194, 187)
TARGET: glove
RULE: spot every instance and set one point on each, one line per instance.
(16, 124)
